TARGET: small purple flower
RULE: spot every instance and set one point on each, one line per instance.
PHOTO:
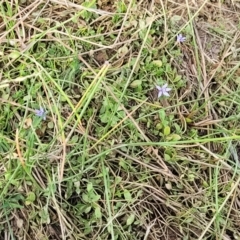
(163, 91)
(41, 113)
(180, 38)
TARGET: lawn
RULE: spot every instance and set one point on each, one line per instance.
(120, 119)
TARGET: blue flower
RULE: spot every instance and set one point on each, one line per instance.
(163, 91)
(180, 38)
(41, 113)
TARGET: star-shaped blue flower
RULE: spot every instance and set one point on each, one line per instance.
(41, 113)
(163, 91)
(180, 38)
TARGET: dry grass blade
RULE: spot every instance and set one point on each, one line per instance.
(18, 149)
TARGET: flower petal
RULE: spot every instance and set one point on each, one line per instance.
(37, 112)
(40, 113)
(160, 93)
(166, 94)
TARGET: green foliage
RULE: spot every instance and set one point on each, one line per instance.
(110, 113)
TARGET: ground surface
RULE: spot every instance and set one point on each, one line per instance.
(105, 157)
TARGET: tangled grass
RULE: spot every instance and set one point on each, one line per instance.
(89, 149)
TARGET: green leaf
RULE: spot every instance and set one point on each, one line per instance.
(44, 215)
(177, 78)
(123, 164)
(167, 157)
(118, 180)
(162, 114)
(14, 54)
(88, 209)
(77, 186)
(205, 184)
(98, 213)
(127, 195)
(159, 126)
(175, 137)
(30, 198)
(136, 84)
(89, 187)
(191, 177)
(74, 139)
(166, 131)
(95, 197)
(85, 197)
(157, 63)
(188, 120)
(130, 219)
